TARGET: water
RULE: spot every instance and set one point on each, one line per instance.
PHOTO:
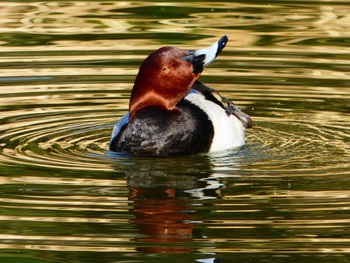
(66, 70)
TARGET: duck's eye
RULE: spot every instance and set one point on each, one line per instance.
(165, 69)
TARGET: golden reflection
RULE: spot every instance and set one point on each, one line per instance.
(63, 219)
(57, 18)
(120, 248)
(63, 238)
(68, 71)
(52, 17)
(68, 181)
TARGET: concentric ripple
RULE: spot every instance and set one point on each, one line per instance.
(295, 147)
(70, 137)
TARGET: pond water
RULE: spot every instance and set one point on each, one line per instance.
(66, 72)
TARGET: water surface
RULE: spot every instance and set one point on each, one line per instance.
(66, 72)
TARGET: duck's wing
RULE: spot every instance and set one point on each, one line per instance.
(214, 96)
(119, 127)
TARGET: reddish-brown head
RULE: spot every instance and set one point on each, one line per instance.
(166, 76)
(164, 79)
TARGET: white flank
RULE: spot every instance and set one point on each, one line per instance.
(228, 130)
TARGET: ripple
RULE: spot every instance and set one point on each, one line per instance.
(69, 140)
(298, 147)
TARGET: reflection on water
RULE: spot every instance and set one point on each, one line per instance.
(66, 70)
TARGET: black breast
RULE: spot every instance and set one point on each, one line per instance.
(158, 132)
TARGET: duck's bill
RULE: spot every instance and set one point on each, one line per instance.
(202, 57)
(210, 53)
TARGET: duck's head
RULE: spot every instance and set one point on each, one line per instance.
(166, 75)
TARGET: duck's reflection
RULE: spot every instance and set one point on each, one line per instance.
(170, 199)
(162, 217)
(165, 195)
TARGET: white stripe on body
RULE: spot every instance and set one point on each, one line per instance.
(228, 130)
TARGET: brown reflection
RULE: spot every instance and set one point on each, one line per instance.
(164, 195)
(162, 218)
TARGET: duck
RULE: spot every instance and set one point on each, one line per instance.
(172, 113)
